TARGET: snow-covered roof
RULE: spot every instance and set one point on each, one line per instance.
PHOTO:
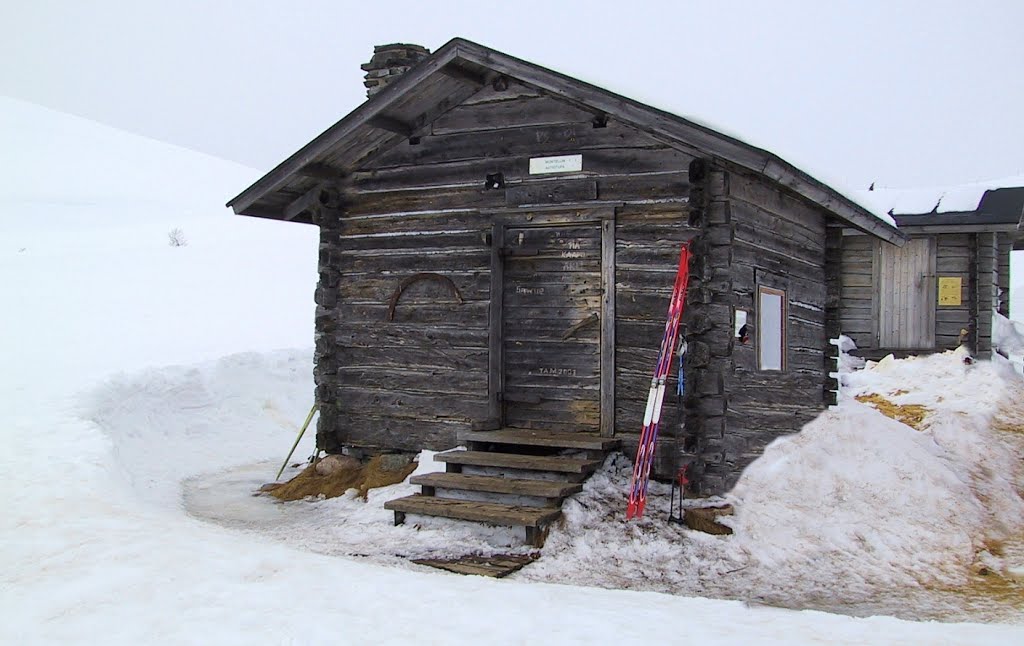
(934, 199)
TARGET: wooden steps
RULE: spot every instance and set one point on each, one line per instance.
(513, 486)
(558, 464)
(519, 478)
(481, 512)
(529, 437)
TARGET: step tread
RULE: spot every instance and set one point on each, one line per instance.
(492, 484)
(562, 464)
(481, 512)
(554, 439)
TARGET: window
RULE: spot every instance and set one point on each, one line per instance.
(740, 329)
(771, 329)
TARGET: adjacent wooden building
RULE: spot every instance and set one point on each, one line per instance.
(940, 288)
(498, 245)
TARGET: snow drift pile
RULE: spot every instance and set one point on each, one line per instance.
(859, 495)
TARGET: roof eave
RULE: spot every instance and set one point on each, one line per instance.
(699, 139)
(367, 110)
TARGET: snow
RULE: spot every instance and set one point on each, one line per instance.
(147, 387)
(941, 199)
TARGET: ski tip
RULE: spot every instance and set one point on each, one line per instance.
(630, 510)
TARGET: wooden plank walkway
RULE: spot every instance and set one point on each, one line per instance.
(496, 565)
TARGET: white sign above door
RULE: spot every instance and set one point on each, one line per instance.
(561, 164)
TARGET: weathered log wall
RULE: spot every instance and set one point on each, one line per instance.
(430, 206)
(858, 313)
(648, 239)
(1005, 247)
(414, 380)
(751, 234)
(987, 298)
(974, 258)
(779, 242)
(427, 206)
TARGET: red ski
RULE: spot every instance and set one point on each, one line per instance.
(656, 396)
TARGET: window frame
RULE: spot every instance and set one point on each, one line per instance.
(783, 325)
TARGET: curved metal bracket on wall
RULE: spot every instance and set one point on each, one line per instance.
(415, 278)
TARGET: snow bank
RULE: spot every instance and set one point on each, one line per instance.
(172, 423)
(859, 497)
(1007, 335)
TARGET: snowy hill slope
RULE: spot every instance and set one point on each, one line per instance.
(99, 435)
(94, 174)
(85, 212)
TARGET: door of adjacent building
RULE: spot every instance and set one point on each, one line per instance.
(906, 294)
(551, 327)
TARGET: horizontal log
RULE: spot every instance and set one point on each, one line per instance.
(435, 199)
(511, 91)
(527, 111)
(428, 260)
(551, 192)
(664, 254)
(364, 429)
(598, 163)
(529, 140)
(753, 223)
(470, 313)
(766, 195)
(773, 261)
(451, 359)
(452, 239)
(381, 288)
(434, 380)
(526, 266)
(398, 337)
(417, 405)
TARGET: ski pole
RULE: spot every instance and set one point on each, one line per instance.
(305, 425)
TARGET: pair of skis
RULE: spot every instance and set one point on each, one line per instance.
(656, 396)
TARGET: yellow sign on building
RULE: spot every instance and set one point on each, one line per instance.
(949, 290)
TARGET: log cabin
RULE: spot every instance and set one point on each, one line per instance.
(939, 290)
(498, 244)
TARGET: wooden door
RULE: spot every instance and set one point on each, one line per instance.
(551, 327)
(906, 294)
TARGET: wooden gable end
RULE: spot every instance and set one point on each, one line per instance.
(494, 134)
(408, 109)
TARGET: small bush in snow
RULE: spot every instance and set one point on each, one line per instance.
(176, 237)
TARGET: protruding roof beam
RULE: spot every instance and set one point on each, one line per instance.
(321, 171)
(391, 124)
(460, 73)
(303, 203)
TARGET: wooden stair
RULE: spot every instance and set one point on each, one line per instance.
(511, 477)
(573, 468)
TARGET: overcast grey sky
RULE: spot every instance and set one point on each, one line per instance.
(905, 93)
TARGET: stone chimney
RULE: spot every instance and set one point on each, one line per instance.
(388, 63)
